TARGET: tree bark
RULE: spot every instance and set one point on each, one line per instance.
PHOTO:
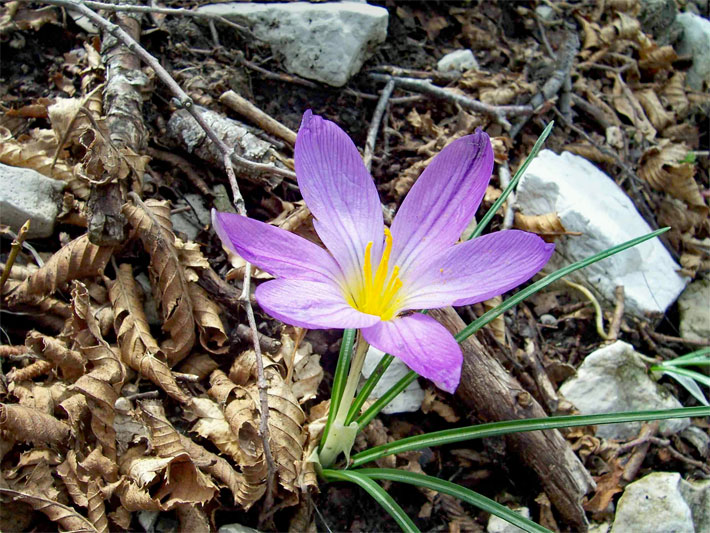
(494, 395)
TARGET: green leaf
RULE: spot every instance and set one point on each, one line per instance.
(689, 383)
(457, 491)
(369, 385)
(339, 380)
(449, 436)
(697, 358)
(377, 492)
(513, 183)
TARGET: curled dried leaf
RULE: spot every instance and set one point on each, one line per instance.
(213, 337)
(151, 221)
(31, 425)
(67, 518)
(211, 424)
(76, 260)
(497, 325)
(70, 362)
(199, 364)
(665, 168)
(658, 116)
(139, 350)
(588, 151)
(674, 93)
(548, 226)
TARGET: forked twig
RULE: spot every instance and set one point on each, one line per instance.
(183, 100)
(375, 124)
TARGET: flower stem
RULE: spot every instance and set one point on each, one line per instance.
(341, 437)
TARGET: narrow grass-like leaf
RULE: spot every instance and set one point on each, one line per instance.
(450, 436)
(485, 318)
(379, 404)
(368, 387)
(457, 491)
(689, 383)
(513, 183)
(377, 492)
(698, 358)
(339, 380)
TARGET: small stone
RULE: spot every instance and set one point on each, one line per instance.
(191, 222)
(27, 194)
(545, 13)
(654, 503)
(588, 201)
(409, 400)
(694, 306)
(697, 495)
(614, 379)
(498, 525)
(698, 438)
(695, 42)
(325, 42)
(460, 60)
(548, 319)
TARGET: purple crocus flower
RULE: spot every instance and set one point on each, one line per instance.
(371, 277)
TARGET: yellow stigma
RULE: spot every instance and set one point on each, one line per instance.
(377, 293)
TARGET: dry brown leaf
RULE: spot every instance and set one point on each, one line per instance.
(17, 16)
(139, 350)
(663, 167)
(213, 337)
(70, 362)
(182, 481)
(548, 226)
(33, 395)
(96, 508)
(497, 325)
(657, 58)
(75, 483)
(626, 103)
(588, 151)
(212, 425)
(217, 466)
(67, 518)
(674, 93)
(655, 112)
(199, 364)
(30, 425)
(431, 402)
(31, 371)
(107, 373)
(78, 259)
(151, 221)
(607, 486)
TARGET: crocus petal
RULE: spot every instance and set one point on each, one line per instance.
(276, 251)
(423, 344)
(443, 200)
(339, 191)
(309, 304)
(477, 270)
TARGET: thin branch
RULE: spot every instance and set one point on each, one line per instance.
(375, 124)
(184, 101)
(498, 112)
(177, 12)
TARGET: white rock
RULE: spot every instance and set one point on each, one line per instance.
(236, 528)
(27, 194)
(614, 379)
(695, 42)
(191, 222)
(498, 525)
(409, 400)
(459, 60)
(545, 13)
(697, 495)
(694, 306)
(588, 201)
(326, 42)
(654, 503)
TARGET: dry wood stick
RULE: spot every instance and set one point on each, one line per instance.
(183, 100)
(498, 112)
(375, 124)
(248, 110)
(494, 395)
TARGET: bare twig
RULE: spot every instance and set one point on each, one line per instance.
(273, 76)
(14, 250)
(375, 124)
(615, 324)
(267, 123)
(181, 163)
(498, 113)
(177, 12)
(184, 101)
(660, 337)
(504, 177)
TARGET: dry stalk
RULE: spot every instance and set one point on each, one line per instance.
(14, 250)
(375, 124)
(184, 101)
